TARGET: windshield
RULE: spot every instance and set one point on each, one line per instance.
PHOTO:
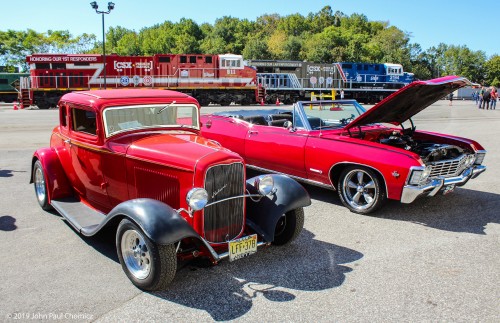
(120, 119)
(327, 114)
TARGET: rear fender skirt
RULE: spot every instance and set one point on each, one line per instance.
(263, 215)
(57, 183)
(161, 223)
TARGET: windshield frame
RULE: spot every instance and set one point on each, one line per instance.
(301, 106)
(158, 106)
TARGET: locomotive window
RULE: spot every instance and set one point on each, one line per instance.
(59, 66)
(192, 59)
(164, 59)
(3, 81)
(84, 121)
(365, 67)
(377, 67)
(347, 65)
(208, 59)
(42, 66)
(183, 59)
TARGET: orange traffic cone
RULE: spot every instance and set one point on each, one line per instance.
(278, 101)
(15, 105)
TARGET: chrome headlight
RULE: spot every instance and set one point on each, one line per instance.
(419, 175)
(264, 184)
(470, 159)
(197, 198)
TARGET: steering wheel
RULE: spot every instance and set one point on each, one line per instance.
(345, 121)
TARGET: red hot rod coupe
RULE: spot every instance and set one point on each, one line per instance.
(134, 161)
(367, 156)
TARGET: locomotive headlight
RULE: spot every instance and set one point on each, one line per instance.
(197, 198)
(264, 184)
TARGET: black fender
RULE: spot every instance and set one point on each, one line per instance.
(263, 214)
(159, 222)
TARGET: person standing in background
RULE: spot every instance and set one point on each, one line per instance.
(451, 99)
(480, 96)
(342, 94)
(493, 98)
(486, 99)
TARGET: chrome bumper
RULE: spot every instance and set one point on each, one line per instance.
(411, 192)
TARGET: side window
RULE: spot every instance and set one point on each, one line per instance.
(63, 115)
(84, 121)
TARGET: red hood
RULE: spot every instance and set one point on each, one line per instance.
(410, 100)
(182, 151)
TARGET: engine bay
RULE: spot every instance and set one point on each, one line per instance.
(427, 150)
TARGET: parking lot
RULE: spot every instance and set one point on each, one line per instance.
(434, 260)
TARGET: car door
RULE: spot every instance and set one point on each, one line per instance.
(277, 148)
(85, 157)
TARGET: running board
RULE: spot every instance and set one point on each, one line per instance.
(82, 217)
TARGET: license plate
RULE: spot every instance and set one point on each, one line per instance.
(242, 247)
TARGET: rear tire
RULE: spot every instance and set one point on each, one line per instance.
(149, 266)
(289, 227)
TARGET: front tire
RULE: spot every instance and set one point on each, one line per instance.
(40, 186)
(148, 265)
(289, 227)
(361, 190)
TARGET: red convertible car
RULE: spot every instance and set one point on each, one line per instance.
(367, 156)
(134, 162)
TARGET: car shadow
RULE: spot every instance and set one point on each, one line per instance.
(7, 223)
(464, 210)
(227, 291)
(9, 172)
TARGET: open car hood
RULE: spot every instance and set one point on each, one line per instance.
(410, 100)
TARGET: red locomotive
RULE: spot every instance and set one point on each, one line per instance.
(219, 79)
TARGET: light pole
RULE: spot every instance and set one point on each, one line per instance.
(111, 6)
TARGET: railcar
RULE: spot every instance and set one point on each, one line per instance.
(220, 79)
(9, 86)
(291, 81)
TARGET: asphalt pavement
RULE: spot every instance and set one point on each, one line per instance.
(434, 260)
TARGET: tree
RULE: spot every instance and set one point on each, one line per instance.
(493, 71)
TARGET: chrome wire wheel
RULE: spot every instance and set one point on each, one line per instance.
(40, 188)
(359, 189)
(136, 255)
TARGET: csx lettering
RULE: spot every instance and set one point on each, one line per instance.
(119, 65)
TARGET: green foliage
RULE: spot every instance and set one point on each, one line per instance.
(322, 37)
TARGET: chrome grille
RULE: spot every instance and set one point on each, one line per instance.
(448, 168)
(224, 221)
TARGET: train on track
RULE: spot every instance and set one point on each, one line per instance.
(211, 79)
(9, 86)
(219, 79)
(291, 81)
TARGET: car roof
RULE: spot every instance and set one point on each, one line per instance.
(103, 98)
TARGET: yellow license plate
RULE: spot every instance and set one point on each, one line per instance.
(242, 247)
